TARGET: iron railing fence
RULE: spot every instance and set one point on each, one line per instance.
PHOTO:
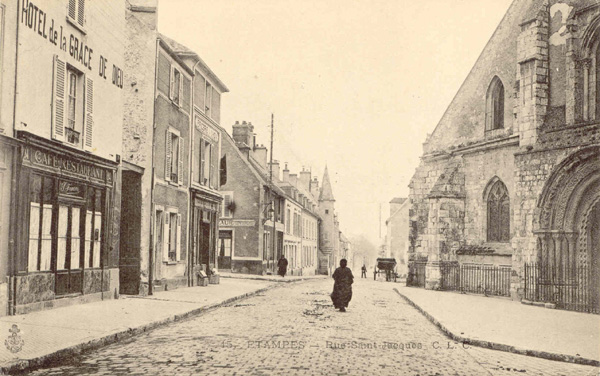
(476, 278)
(572, 288)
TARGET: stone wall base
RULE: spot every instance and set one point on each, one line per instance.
(63, 302)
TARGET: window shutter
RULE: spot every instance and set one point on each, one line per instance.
(223, 171)
(186, 97)
(226, 203)
(213, 170)
(164, 71)
(58, 99)
(81, 12)
(216, 105)
(168, 148)
(178, 254)
(199, 91)
(180, 162)
(166, 238)
(202, 172)
(89, 111)
(72, 6)
(172, 84)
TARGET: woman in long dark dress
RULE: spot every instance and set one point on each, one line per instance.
(282, 266)
(342, 288)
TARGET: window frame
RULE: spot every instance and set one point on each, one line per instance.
(175, 88)
(497, 204)
(224, 210)
(169, 157)
(495, 105)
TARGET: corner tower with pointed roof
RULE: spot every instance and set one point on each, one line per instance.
(327, 251)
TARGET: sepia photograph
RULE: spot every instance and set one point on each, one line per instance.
(300, 187)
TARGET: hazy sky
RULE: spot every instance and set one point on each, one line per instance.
(356, 85)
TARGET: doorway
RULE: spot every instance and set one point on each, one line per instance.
(131, 223)
(69, 271)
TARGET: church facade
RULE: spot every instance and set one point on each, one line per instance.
(509, 181)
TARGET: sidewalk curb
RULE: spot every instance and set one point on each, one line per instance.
(283, 280)
(499, 346)
(26, 365)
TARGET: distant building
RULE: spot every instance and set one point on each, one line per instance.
(397, 233)
(301, 223)
(329, 248)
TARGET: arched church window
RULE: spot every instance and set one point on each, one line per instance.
(494, 110)
(498, 213)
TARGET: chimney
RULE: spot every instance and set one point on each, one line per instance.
(314, 186)
(243, 134)
(305, 179)
(293, 179)
(275, 170)
(260, 155)
(286, 174)
(145, 11)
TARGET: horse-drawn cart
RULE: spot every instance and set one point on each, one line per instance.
(386, 266)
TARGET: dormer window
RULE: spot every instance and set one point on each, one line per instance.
(494, 110)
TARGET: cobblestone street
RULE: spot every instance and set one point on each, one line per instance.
(294, 330)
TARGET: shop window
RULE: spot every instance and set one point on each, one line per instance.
(225, 241)
(93, 230)
(40, 223)
(494, 113)
(174, 157)
(498, 213)
(72, 105)
(76, 12)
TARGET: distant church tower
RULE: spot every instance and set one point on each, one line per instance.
(329, 233)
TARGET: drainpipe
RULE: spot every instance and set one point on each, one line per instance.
(152, 209)
(12, 286)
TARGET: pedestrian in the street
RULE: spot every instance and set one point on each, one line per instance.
(342, 288)
(282, 265)
(364, 272)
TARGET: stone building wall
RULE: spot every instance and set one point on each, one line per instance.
(549, 115)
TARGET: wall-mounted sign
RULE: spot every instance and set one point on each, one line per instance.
(206, 205)
(206, 129)
(236, 222)
(65, 165)
(37, 20)
(70, 189)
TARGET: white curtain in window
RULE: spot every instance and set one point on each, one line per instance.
(61, 256)
(34, 231)
(46, 238)
(75, 239)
